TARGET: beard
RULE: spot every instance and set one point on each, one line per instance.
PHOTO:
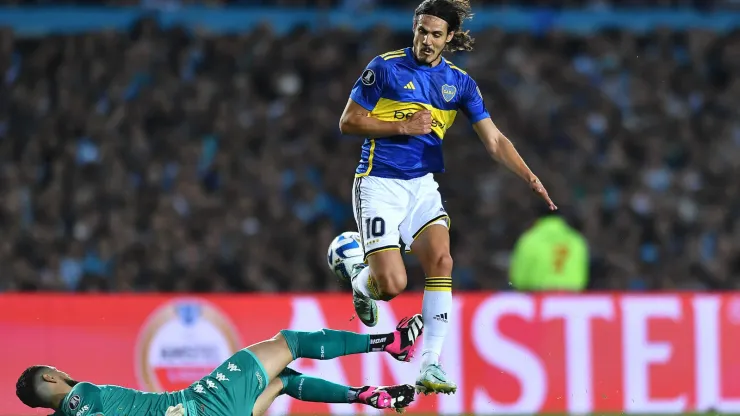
(70, 382)
(427, 60)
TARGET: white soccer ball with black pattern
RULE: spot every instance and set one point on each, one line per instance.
(345, 252)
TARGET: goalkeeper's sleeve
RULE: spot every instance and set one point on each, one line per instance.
(175, 411)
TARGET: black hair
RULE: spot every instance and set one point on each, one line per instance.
(26, 389)
(454, 12)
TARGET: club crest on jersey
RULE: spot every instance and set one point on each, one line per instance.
(74, 401)
(448, 92)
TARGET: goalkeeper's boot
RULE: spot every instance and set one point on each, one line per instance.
(365, 307)
(433, 379)
(395, 397)
(401, 344)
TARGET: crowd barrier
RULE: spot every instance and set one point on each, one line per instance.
(511, 353)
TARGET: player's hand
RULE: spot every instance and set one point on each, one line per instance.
(175, 411)
(540, 190)
(419, 123)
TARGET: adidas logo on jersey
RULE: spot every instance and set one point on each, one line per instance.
(442, 317)
(410, 86)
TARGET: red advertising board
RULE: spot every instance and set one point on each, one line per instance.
(510, 353)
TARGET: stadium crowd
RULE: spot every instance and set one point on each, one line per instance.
(157, 161)
(365, 4)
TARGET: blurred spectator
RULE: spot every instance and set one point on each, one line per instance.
(157, 160)
(169, 4)
(551, 255)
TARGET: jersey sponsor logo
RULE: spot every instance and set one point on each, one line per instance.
(368, 77)
(74, 401)
(406, 113)
(82, 411)
(448, 92)
(182, 341)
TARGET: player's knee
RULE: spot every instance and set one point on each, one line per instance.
(390, 284)
(441, 264)
(279, 337)
(287, 339)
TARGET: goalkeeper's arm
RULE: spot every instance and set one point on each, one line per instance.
(175, 411)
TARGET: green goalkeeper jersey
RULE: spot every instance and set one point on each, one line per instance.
(87, 399)
(231, 389)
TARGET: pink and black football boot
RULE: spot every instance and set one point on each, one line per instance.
(386, 397)
(401, 343)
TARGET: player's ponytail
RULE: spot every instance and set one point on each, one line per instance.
(461, 41)
(454, 12)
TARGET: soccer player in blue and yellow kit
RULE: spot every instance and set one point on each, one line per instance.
(246, 383)
(403, 104)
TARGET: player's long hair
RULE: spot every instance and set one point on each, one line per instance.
(454, 12)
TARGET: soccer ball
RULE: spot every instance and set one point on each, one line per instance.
(345, 252)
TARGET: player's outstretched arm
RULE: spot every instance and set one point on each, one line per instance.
(356, 121)
(503, 151)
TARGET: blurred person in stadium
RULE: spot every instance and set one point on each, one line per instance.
(247, 382)
(551, 255)
(403, 103)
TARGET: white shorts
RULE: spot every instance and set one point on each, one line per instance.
(390, 211)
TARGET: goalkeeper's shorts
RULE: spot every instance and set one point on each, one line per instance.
(231, 389)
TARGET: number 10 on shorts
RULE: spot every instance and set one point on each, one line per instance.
(374, 227)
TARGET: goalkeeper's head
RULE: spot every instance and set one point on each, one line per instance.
(43, 386)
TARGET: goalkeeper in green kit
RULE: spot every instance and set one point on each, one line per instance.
(246, 383)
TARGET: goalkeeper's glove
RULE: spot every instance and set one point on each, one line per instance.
(175, 411)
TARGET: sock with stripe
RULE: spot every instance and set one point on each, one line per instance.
(365, 284)
(435, 308)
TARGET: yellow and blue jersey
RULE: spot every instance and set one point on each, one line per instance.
(393, 87)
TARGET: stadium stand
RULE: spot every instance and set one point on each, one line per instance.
(158, 161)
(699, 4)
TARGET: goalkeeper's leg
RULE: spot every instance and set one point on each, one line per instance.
(311, 389)
(273, 390)
(275, 354)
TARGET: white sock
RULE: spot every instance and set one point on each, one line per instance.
(435, 309)
(365, 284)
